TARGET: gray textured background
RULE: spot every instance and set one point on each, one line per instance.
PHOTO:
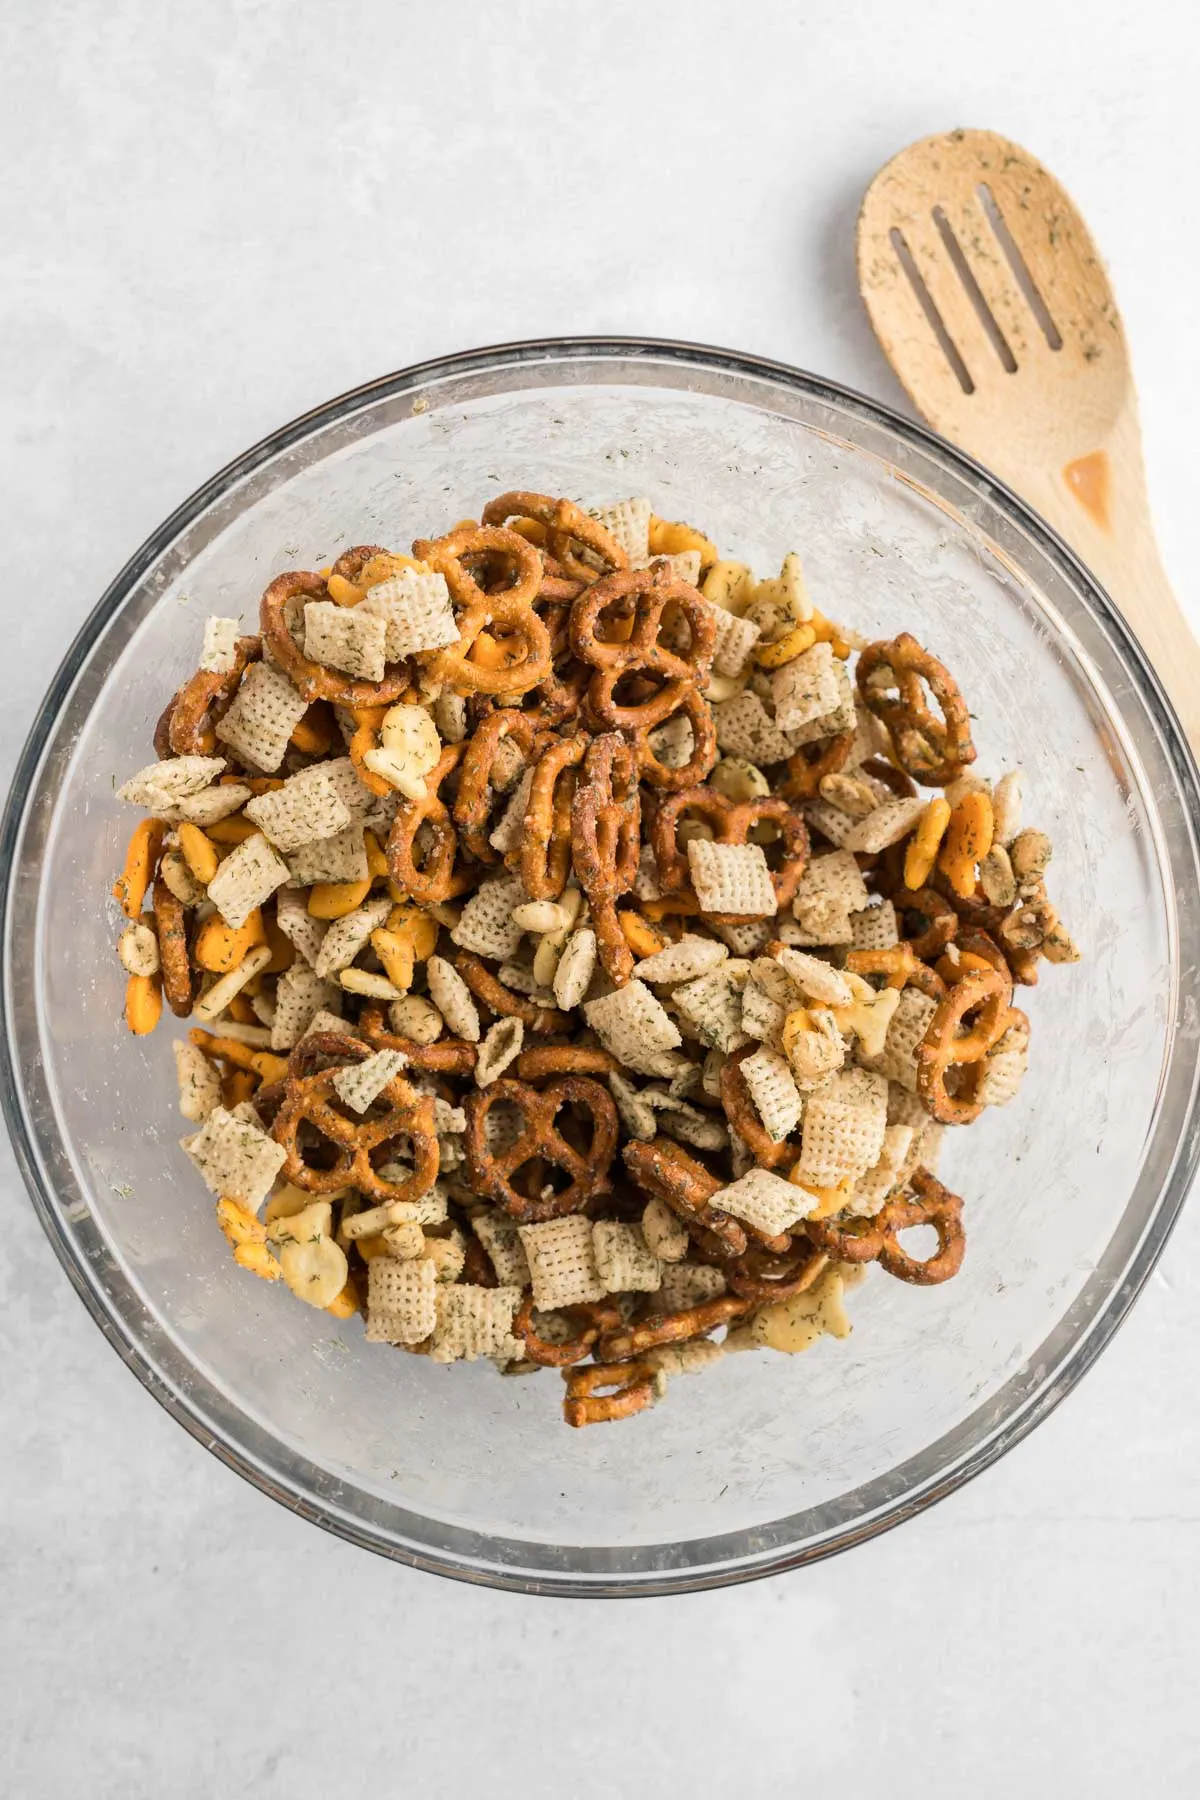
(214, 217)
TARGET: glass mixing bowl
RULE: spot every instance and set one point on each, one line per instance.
(765, 1462)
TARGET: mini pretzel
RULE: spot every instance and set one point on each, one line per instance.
(877, 1239)
(809, 765)
(436, 879)
(743, 1116)
(187, 725)
(566, 525)
(606, 822)
(933, 750)
(448, 1056)
(472, 805)
(503, 1002)
(646, 594)
(491, 1172)
(565, 1059)
(901, 966)
(986, 996)
(600, 1316)
(661, 1169)
(732, 822)
(505, 610)
(312, 679)
(170, 926)
(941, 926)
(693, 1321)
(633, 1391)
(704, 747)
(900, 784)
(312, 1100)
(767, 1279)
(543, 859)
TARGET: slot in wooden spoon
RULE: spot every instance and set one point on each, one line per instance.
(991, 303)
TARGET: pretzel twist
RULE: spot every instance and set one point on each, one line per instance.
(313, 1101)
(504, 608)
(931, 749)
(312, 679)
(491, 1172)
(983, 997)
(606, 843)
(877, 1239)
(731, 822)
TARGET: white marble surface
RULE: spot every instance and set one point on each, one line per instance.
(213, 217)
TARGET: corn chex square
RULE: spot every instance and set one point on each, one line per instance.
(843, 717)
(415, 608)
(625, 1262)
(164, 784)
(348, 935)
(806, 688)
(909, 1023)
(248, 876)
(832, 823)
(1003, 1073)
(486, 925)
(747, 937)
(219, 650)
(340, 858)
(871, 1190)
(875, 928)
(731, 878)
(305, 808)
(886, 825)
(766, 1201)
(776, 1097)
(345, 637)
(562, 1262)
(401, 1300)
(844, 1123)
(682, 961)
(684, 565)
(832, 880)
(297, 923)
(358, 1084)
(628, 521)
(510, 828)
(236, 1159)
(323, 1020)
(686, 1284)
(357, 799)
(746, 728)
(299, 995)
(712, 1005)
(762, 1017)
(735, 640)
(500, 1238)
(265, 712)
(474, 1322)
(634, 1027)
(209, 805)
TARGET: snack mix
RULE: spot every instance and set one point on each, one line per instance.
(575, 970)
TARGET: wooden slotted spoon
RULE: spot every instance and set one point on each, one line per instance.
(993, 307)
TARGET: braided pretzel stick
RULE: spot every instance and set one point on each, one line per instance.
(503, 1002)
(593, 1319)
(449, 1056)
(566, 525)
(491, 1172)
(472, 805)
(437, 879)
(985, 995)
(509, 608)
(702, 759)
(312, 679)
(633, 1390)
(606, 821)
(313, 1100)
(808, 766)
(543, 858)
(871, 1240)
(170, 927)
(932, 750)
(732, 822)
(660, 1168)
(651, 591)
(186, 727)
(901, 966)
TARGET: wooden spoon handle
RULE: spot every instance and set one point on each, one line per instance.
(1098, 503)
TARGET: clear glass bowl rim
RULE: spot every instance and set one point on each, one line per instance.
(609, 1579)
